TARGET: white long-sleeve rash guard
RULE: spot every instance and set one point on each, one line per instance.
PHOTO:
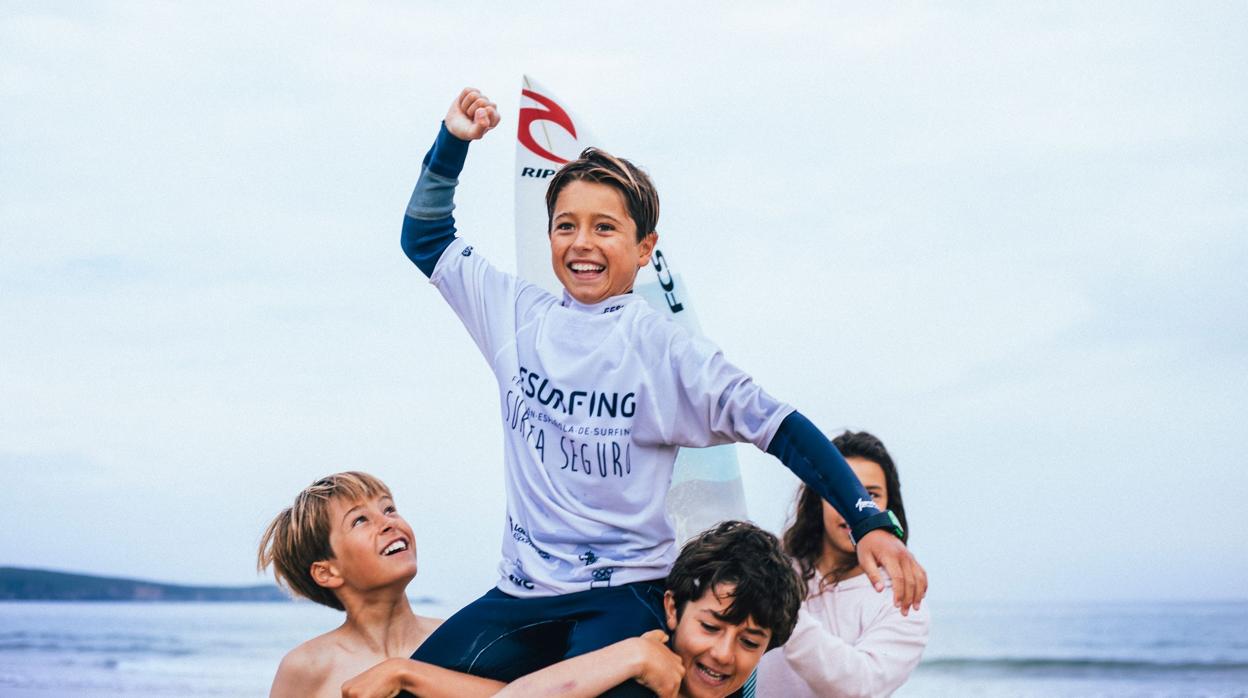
(595, 401)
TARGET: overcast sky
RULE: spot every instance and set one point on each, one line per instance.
(1011, 242)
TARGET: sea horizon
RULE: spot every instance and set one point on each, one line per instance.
(437, 599)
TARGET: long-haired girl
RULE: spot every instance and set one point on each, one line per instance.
(849, 640)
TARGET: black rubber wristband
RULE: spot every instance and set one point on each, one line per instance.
(885, 519)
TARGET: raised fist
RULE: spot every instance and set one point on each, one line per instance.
(471, 115)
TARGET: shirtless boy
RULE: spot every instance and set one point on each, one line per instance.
(343, 544)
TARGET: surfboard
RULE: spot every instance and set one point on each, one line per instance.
(706, 483)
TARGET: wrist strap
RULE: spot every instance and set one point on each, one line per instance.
(885, 519)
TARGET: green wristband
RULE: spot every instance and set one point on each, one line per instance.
(885, 519)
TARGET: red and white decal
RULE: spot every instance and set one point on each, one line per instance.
(548, 111)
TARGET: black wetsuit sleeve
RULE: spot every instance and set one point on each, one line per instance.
(811, 456)
(429, 227)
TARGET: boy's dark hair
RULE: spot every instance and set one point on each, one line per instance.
(765, 585)
(594, 165)
(804, 539)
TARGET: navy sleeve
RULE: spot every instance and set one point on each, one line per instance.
(429, 227)
(811, 456)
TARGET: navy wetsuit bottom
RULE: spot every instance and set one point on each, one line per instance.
(504, 637)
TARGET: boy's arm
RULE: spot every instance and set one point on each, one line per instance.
(711, 401)
(645, 659)
(428, 227)
(811, 456)
(419, 679)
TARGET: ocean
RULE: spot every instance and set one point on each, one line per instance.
(109, 650)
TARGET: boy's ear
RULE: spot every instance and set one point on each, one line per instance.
(645, 248)
(669, 609)
(325, 573)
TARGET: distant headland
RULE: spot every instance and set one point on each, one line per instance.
(24, 584)
(21, 584)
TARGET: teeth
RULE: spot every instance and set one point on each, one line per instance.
(583, 266)
(714, 675)
(395, 547)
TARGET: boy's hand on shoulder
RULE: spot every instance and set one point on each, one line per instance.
(471, 115)
(658, 668)
(880, 548)
(384, 680)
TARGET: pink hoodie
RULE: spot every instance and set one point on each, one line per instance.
(849, 641)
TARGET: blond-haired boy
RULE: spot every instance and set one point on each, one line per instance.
(344, 545)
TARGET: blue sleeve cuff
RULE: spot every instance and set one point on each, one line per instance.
(811, 456)
(429, 227)
(447, 155)
(424, 241)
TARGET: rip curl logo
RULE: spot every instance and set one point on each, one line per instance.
(866, 504)
(552, 113)
(467, 251)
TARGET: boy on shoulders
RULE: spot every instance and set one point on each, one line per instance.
(598, 392)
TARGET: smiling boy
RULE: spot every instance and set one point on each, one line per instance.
(598, 392)
(731, 596)
(344, 545)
